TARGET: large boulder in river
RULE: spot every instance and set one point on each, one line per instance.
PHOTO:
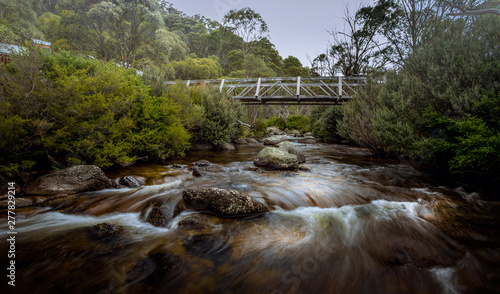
(273, 140)
(292, 149)
(276, 158)
(76, 179)
(223, 203)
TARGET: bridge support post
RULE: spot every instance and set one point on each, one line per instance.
(340, 86)
(221, 86)
(298, 90)
(258, 89)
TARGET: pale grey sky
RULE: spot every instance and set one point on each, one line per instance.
(297, 28)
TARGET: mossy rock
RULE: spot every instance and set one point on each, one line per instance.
(276, 159)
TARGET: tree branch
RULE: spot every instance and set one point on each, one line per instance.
(485, 8)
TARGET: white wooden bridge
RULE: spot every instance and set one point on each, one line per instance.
(288, 90)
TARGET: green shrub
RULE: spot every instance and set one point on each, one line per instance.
(260, 128)
(276, 122)
(297, 122)
(324, 123)
(82, 111)
(220, 123)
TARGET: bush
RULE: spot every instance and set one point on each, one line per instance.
(220, 122)
(298, 122)
(260, 128)
(276, 122)
(324, 123)
(82, 111)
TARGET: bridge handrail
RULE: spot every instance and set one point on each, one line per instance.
(270, 79)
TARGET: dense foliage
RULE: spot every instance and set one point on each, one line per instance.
(146, 34)
(62, 110)
(441, 109)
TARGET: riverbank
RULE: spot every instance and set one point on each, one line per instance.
(349, 222)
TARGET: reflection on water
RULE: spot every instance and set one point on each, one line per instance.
(350, 225)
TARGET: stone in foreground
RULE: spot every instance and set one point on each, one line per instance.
(223, 203)
(76, 179)
(276, 158)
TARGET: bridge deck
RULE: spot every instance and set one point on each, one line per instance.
(288, 90)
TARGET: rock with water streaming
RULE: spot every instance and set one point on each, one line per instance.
(223, 203)
(76, 179)
(131, 181)
(308, 140)
(197, 172)
(158, 213)
(273, 140)
(292, 149)
(305, 168)
(277, 159)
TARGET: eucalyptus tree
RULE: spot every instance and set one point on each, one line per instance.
(137, 24)
(247, 24)
(354, 50)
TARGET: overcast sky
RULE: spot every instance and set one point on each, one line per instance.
(297, 28)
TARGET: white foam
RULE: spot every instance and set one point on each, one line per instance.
(444, 276)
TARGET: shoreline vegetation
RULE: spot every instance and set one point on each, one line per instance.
(86, 103)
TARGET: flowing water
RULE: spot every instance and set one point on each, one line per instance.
(350, 225)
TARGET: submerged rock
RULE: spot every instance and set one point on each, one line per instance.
(208, 247)
(273, 140)
(160, 270)
(195, 221)
(292, 149)
(276, 158)
(105, 232)
(76, 179)
(212, 169)
(203, 163)
(223, 203)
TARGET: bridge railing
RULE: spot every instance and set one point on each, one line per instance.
(288, 90)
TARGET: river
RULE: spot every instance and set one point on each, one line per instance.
(350, 225)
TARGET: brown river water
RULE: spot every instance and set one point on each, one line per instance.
(351, 225)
